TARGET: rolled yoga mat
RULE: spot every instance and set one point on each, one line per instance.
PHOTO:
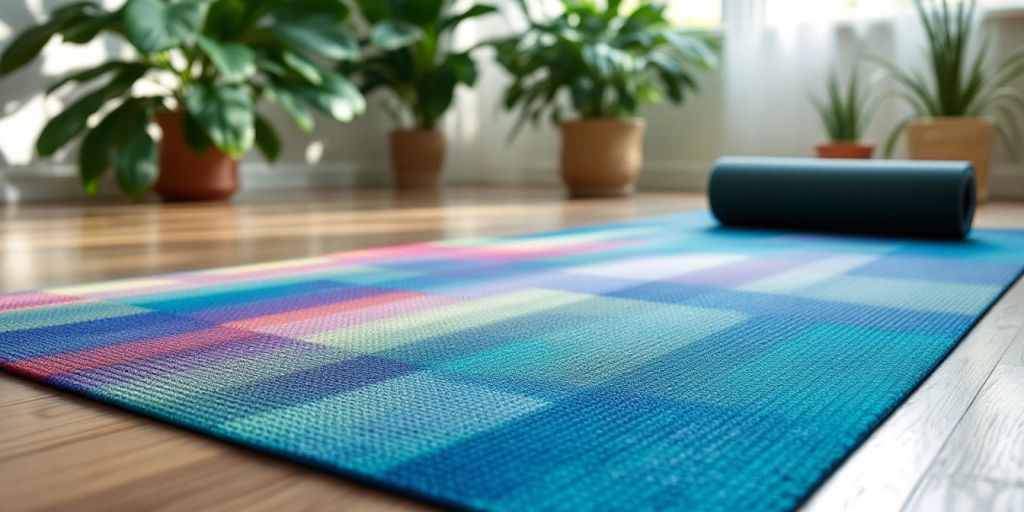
(926, 199)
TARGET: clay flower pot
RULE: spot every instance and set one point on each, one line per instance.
(845, 149)
(954, 138)
(187, 176)
(602, 157)
(417, 157)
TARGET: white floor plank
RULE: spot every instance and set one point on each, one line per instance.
(989, 441)
(883, 473)
(1015, 354)
(947, 494)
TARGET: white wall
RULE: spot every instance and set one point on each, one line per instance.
(755, 104)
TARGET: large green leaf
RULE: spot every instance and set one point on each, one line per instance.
(194, 135)
(157, 25)
(376, 10)
(336, 97)
(225, 112)
(336, 10)
(419, 12)
(78, 21)
(235, 61)
(303, 67)
(475, 11)
(69, 123)
(94, 153)
(135, 161)
(86, 27)
(392, 35)
(227, 20)
(317, 34)
(25, 47)
(300, 114)
(267, 139)
(93, 73)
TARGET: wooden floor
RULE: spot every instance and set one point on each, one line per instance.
(957, 444)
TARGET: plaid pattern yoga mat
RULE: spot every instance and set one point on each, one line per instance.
(659, 364)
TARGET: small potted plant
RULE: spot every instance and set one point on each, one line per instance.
(604, 61)
(951, 107)
(210, 62)
(844, 114)
(411, 57)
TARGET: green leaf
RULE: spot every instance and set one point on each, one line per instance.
(135, 162)
(392, 35)
(225, 112)
(298, 111)
(156, 25)
(235, 61)
(267, 139)
(376, 10)
(95, 152)
(473, 12)
(87, 27)
(301, 65)
(194, 135)
(228, 20)
(335, 10)
(318, 34)
(26, 47)
(462, 68)
(420, 12)
(69, 123)
(336, 97)
(93, 73)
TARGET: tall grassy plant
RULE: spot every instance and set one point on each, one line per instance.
(844, 112)
(214, 59)
(958, 82)
(606, 57)
(413, 58)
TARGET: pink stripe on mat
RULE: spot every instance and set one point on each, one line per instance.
(48, 366)
(261, 323)
(29, 300)
(343, 319)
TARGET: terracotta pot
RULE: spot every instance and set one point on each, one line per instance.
(845, 149)
(417, 157)
(954, 138)
(602, 157)
(187, 176)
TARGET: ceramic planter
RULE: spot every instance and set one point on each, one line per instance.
(417, 157)
(602, 157)
(845, 149)
(187, 176)
(954, 138)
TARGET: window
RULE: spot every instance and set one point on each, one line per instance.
(696, 13)
(788, 11)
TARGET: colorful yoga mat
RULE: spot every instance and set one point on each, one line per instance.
(659, 364)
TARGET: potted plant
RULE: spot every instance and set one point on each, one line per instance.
(210, 63)
(412, 58)
(844, 114)
(950, 109)
(605, 60)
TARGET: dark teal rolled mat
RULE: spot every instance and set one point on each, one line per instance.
(927, 199)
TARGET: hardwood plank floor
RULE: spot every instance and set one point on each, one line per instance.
(58, 451)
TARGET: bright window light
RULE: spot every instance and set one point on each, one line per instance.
(779, 12)
(695, 13)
